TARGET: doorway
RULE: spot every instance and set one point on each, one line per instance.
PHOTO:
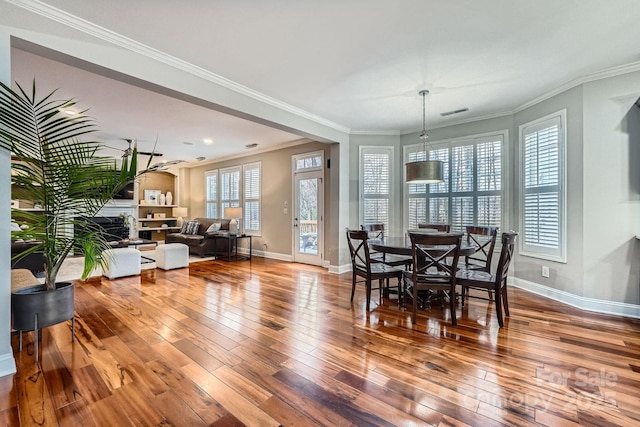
(308, 209)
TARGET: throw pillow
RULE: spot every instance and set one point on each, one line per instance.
(183, 229)
(214, 227)
(192, 227)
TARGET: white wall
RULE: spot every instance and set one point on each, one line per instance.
(566, 277)
(612, 189)
(7, 364)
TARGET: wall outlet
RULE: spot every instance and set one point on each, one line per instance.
(545, 271)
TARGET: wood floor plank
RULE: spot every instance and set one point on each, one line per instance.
(237, 404)
(266, 342)
(189, 391)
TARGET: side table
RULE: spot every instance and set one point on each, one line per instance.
(232, 247)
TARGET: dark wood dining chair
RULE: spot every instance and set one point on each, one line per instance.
(362, 266)
(444, 228)
(485, 239)
(375, 231)
(496, 283)
(434, 265)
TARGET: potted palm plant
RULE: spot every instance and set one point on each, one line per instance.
(71, 179)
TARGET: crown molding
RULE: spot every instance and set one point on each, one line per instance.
(82, 25)
(249, 153)
(383, 132)
(460, 122)
(127, 43)
(598, 75)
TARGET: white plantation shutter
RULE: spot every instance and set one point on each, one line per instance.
(462, 174)
(461, 213)
(472, 191)
(542, 205)
(438, 210)
(252, 202)
(211, 189)
(489, 182)
(229, 188)
(375, 185)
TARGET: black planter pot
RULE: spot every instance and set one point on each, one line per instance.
(34, 308)
(52, 307)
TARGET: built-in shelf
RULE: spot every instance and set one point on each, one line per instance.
(163, 182)
(157, 228)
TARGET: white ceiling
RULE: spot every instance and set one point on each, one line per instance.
(357, 63)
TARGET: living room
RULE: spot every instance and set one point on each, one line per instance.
(598, 272)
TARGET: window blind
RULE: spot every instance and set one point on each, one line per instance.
(252, 200)
(472, 191)
(229, 188)
(211, 190)
(542, 189)
(375, 185)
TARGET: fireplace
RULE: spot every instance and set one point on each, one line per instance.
(110, 228)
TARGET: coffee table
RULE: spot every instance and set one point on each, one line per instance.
(135, 243)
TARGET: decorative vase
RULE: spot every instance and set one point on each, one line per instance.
(169, 198)
(163, 199)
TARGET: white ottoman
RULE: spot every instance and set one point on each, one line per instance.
(172, 255)
(122, 262)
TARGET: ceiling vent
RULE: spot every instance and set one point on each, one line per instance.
(451, 113)
(201, 158)
(251, 145)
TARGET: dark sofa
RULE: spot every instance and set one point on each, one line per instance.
(34, 262)
(203, 243)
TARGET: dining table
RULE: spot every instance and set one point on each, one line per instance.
(402, 246)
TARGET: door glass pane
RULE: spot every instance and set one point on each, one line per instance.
(308, 216)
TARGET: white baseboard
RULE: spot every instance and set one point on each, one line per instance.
(339, 269)
(264, 254)
(7, 364)
(583, 303)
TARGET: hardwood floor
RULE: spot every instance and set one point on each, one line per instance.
(265, 343)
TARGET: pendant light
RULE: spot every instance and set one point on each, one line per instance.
(424, 171)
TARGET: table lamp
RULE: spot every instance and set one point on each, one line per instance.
(178, 213)
(233, 214)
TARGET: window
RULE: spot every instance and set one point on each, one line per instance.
(375, 185)
(229, 188)
(310, 161)
(472, 191)
(252, 202)
(542, 188)
(211, 188)
(224, 189)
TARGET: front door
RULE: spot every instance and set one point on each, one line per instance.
(308, 217)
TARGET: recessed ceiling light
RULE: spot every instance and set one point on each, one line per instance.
(208, 141)
(251, 145)
(187, 143)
